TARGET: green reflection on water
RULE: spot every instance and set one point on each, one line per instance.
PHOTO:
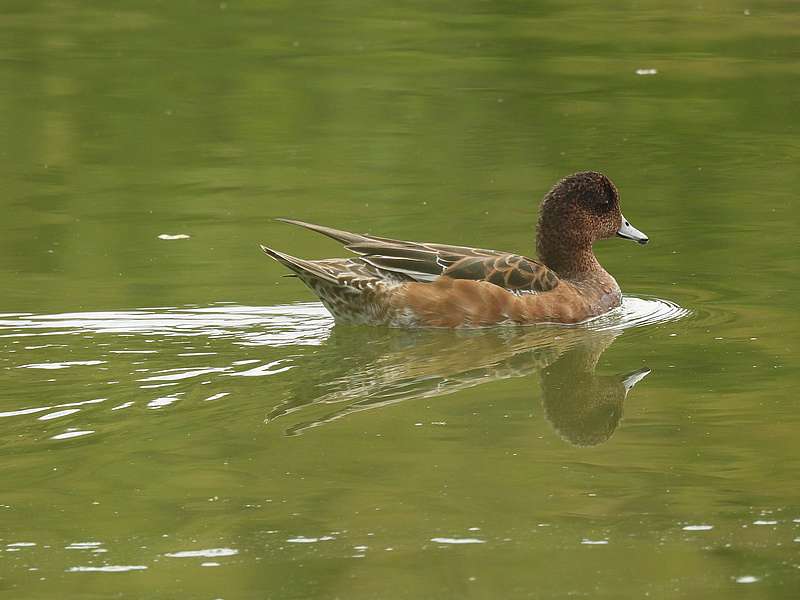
(445, 122)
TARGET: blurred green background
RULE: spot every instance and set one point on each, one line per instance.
(441, 121)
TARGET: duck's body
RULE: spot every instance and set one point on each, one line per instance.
(410, 284)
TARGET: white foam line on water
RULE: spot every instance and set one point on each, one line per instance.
(161, 402)
(107, 569)
(20, 545)
(187, 374)
(305, 323)
(264, 369)
(448, 540)
(83, 545)
(24, 411)
(698, 527)
(206, 553)
(59, 413)
(301, 539)
(45, 346)
(93, 401)
(71, 434)
(63, 365)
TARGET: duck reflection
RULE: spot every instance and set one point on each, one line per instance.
(363, 369)
(582, 407)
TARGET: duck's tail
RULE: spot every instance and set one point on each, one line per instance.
(345, 237)
(305, 269)
(331, 280)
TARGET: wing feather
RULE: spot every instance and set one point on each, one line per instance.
(380, 257)
(509, 271)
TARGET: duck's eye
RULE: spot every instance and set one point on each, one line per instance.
(606, 199)
(602, 202)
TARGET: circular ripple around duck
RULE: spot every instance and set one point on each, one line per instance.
(640, 312)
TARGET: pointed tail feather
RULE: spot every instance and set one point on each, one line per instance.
(303, 268)
(345, 237)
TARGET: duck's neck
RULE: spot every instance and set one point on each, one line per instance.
(575, 262)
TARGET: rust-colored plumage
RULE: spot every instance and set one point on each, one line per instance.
(414, 284)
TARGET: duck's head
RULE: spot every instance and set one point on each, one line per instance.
(579, 210)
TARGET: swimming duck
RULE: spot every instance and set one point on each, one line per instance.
(414, 284)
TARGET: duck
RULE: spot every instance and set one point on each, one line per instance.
(406, 284)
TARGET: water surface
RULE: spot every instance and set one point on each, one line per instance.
(178, 420)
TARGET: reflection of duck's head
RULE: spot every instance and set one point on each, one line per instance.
(582, 407)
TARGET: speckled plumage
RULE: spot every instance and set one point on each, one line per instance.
(413, 284)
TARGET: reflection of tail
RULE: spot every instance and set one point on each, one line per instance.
(307, 270)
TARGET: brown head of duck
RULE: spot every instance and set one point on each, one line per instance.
(579, 210)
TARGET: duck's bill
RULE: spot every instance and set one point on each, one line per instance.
(629, 232)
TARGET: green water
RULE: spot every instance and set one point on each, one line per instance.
(178, 421)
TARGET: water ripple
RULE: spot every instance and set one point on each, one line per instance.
(205, 553)
(387, 366)
(639, 312)
(306, 323)
(107, 569)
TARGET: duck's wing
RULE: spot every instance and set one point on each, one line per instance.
(509, 271)
(420, 261)
(426, 262)
(416, 260)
